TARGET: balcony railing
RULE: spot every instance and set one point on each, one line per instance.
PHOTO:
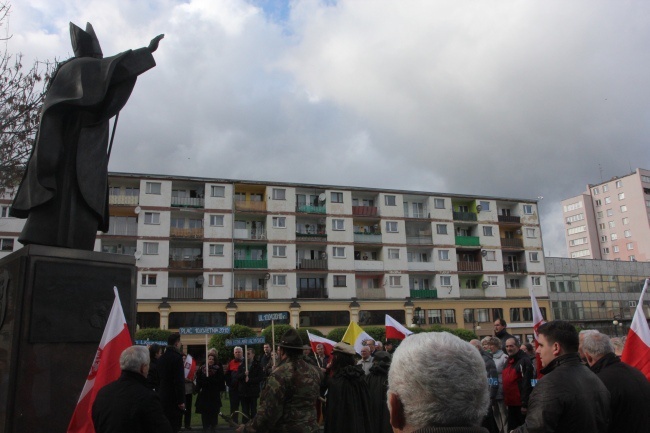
(365, 293)
(368, 238)
(470, 266)
(305, 208)
(468, 241)
(311, 237)
(368, 265)
(251, 264)
(185, 293)
(186, 263)
(250, 205)
(312, 264)
(472, 293)
(465, 216)
(194, 233)
(251, 294)
(514, 267)
(121, 230)
(509, 219)
(313, 293)
(364, 210)
(424, 294)
(419, 240)
(188, 202)
(512, 242)
(253, 234)
(124, 200)
(421, 266)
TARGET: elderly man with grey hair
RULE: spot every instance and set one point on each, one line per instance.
(628, 388)
(437, 384)
(129, 404)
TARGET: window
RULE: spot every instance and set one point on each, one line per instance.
(603, 238)
(445, 280)
(150, 248)
(339, 281)
(630, 245)
(389, 200)
(493, 280)
(608, 200)
(530, 233)
(619, 184)
(623, 208)
(575, 230)
(216, 249)
(606, 250)
(487, 230)
(601, 226)
(279, 251)
(573, 206)
(279, 280)
(621, 195)
(391, 226)
(513, 283)
(443, 254)
(439, 203)
(599, 202)
(4, 211)
(216, 220)
(490, 255)
(435, 317)
(148, 279)
(280, 222)
(152, 188)
(626, 221)
(579, 241)
(217, 191)
(581, 253)
(632, 258)
(645, 179)
(337, 197)
(441, 229)
(616, 250)
(613, 236)
(485, 206)
(528, 209)
(338, 224)
(605, 188)
(151, 218)
(611, 224)
(395, 281)
(627, 233)
(574, 218)
(596, 192)
(450, 316)
(338, 252)
(610, 212)
(533, 256)
(393, 253)
(6, 244)
(215, 280)
(279, 194)
(600, 214)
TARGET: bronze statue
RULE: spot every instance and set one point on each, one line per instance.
(64, 191)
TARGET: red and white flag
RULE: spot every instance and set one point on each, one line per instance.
(105, 368)
(538, 320)
(315, 340)
(637, 345)
(190, 367)
(395, 330)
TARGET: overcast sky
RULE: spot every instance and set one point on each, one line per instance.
(502, 98)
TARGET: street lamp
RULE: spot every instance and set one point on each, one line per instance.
(616, 324)
(477, 327)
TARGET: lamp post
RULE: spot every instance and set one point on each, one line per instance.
(477, 327)
(616, 322)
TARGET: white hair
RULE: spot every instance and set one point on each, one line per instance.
(440, 380)
(597, 345)
(133, 358)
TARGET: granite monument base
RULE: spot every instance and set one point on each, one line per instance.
(54, 303)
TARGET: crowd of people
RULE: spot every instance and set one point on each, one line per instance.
(433, 383)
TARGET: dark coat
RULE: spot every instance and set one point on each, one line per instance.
(172, 378)
(568, 399)
(503, 336)
(256, 376)
(377, 381)
(347, 402)
(153, 378)
(129, 405)
(492, 374)
(629, 393)
(209, 389)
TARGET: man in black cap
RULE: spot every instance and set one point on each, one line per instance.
(288, 402)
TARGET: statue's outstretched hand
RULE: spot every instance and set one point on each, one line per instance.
(153, 45)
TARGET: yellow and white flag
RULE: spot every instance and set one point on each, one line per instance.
(355, 336)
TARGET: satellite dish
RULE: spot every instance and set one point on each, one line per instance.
(321, 197)
(267, 276)
(484, 253)
(200, 279)
(137, 255)
(485, 285)
(137, 210)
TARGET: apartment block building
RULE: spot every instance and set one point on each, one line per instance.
(219, 252)
(610, 220)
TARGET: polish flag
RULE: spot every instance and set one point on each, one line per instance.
(190, 367)
(315, 340)
(395, 330)
(637, 345)
(105, 368)
(538, 320)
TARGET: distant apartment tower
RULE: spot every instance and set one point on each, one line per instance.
(610, 220)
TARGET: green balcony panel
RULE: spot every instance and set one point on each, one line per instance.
(251, 264)
(424, 294)
(468, 241)
(310, 209)
(465, 216)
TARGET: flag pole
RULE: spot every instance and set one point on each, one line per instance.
(206, 355)
(246, 359)
(273, 340)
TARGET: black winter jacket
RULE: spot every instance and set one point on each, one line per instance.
(250, 389)
(172, 378)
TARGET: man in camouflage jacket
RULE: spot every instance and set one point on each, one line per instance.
(287, 403)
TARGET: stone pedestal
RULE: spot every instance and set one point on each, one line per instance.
(54, 303)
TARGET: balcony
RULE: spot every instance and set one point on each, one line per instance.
(251, 264)
(468, 241)
(472, 293)
(123, 230)
(253, 234)
(365, 293)
(514, 267)
(186, 263)
(251, 294)
(255, 206)
(311, 237)
(422, 239)
(367, 238)
(194, 202)
(368, 265)
(124, 200)
(194, 233)
(421, 266)
(465, 216)
(509, 219)
(517, 293)
(364, 211)
(470, 266)
(512, 242)
(424, 294)
(312, 264)
(185, 293)
(305, 208)
(312, 293)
